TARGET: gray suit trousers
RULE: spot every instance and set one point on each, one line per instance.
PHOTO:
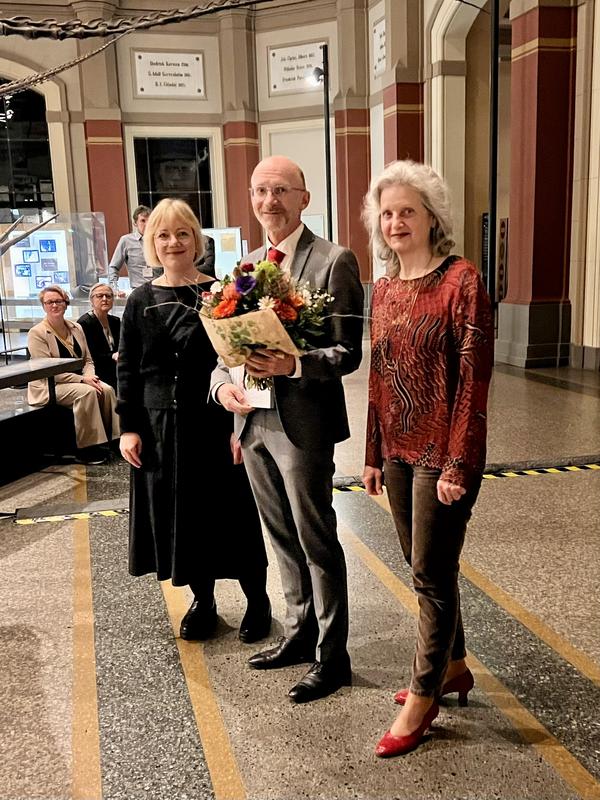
(293, 490)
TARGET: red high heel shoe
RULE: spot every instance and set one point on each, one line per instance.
(462, 684)
(391, 745)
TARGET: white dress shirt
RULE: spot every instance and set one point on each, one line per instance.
(288, 246)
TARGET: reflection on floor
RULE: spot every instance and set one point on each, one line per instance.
(100, 699)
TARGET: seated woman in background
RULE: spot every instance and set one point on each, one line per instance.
(102, 330)
(93, 401)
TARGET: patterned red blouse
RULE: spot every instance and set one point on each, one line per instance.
(431, 363)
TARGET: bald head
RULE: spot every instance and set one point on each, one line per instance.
(281, 165)
(282, 198)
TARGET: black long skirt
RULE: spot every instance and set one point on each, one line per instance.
(192, 513)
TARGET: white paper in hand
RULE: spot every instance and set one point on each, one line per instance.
(257, 398)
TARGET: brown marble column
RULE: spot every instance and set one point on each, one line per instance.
(352, 128)
(535, 316)
(102, 126)
(106, 171)
(403, 122)
(352, 153)
(241, 156)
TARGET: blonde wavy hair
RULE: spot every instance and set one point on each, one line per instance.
(53, 287)
(171, 210)
(435, 196)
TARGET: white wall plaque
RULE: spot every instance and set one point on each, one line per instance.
(379, 52)
(168, 74)
(291, 67)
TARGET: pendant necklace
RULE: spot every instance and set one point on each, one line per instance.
(192, 283)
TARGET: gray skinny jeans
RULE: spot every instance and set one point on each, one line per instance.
(431, 536)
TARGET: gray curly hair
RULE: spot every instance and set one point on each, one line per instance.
(435, 196)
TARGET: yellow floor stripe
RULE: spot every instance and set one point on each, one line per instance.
(528, 726)
(87, 780)
(560, 645)
(551, 750)
(226, 779)
(579, 660)
(391, 582)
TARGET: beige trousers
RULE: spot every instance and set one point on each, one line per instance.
(96, 419)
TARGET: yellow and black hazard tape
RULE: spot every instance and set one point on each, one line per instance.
(492, 476)
(350, 487)
(517, 473)
(114, 512)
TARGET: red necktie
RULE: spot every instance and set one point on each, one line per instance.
(275, 255)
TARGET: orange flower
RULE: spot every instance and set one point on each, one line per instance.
(230, 292)
(285, 312)
(226, 308)
(296, 301)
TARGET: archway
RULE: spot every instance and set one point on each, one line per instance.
(54, 95)
(447, 30)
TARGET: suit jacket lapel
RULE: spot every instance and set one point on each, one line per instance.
(302, 254)
(79, 337)
(52, 342)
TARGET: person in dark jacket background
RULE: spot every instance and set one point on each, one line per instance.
(102, 331)
(180, 447)
(206, 264)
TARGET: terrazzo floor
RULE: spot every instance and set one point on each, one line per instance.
(100, 699)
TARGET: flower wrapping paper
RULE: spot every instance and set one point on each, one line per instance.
(234, 338)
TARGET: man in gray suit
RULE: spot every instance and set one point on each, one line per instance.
(288, 447)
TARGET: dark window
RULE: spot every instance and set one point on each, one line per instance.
(175, 168)
(25, 167)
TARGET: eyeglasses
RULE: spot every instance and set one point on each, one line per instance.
(53, 302)
(277, 191)
(104, 296)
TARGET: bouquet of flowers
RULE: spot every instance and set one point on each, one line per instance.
(260, 306)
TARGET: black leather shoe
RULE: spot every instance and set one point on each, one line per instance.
(199, 623)
(256, 623)
(322, 680)
(287, 652)
(92, 456)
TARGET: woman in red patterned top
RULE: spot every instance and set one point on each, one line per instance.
(431, 364)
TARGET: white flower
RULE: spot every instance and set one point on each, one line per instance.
(216, 287)
(307, 297)
(266, 302)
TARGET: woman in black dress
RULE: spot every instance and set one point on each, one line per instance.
(178, 443)
(102, 331)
